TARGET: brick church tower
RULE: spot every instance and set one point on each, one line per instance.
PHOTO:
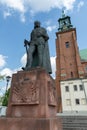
(68, 62)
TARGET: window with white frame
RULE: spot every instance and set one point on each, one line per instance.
(83, 101)
(81, 87)
(67, 88)
(77, 101)
(68, 102)
(75, 87)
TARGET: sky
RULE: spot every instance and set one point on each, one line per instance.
(17, 21)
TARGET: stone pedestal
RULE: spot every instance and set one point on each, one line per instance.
(29, 124)
(32, 102)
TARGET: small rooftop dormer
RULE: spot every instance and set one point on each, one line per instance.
(64, 22)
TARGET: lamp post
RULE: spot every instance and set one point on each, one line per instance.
(7, 80)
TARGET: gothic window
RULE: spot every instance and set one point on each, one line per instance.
(67, 44)
(75, 87)
(67, 88)
(77, 101)
(81, 87)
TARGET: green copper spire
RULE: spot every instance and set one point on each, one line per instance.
(64, 22)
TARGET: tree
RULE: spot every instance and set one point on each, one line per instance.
(1, 99)
(2, 77)
(5, 98)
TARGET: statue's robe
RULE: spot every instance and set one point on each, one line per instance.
(46, 59)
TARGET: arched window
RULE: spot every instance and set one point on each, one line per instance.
(72, 74)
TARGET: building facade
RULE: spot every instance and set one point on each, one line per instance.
(68, 62)
(74, 95)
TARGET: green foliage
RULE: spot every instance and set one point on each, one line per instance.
(1, 99)
(5, 98)
(2, 77)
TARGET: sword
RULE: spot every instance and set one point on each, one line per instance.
(25, 45)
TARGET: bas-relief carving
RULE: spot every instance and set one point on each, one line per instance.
(51, 94)
(25, 92)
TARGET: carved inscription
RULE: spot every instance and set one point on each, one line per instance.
(25, 92)
(51, 94)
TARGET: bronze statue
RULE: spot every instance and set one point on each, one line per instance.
(38, 51)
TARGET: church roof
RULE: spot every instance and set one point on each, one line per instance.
(83, 54)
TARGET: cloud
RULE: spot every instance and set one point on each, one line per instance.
(22, 17)
(23, 60)
(47, 5)
(53, 64)
(13, 4)
(3, 70)
(10, 6)
(51, 28)
(34, 6)
(2, 61)
(81, 3)
(68, 4)
(49, 25)
(48, 22)
(6, 72)
(6, 14)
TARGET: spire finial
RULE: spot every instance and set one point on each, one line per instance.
(63, 13)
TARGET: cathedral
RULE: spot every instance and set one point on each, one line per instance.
(71, 69)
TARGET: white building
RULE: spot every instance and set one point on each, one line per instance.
(3, 110)
(74, 95)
